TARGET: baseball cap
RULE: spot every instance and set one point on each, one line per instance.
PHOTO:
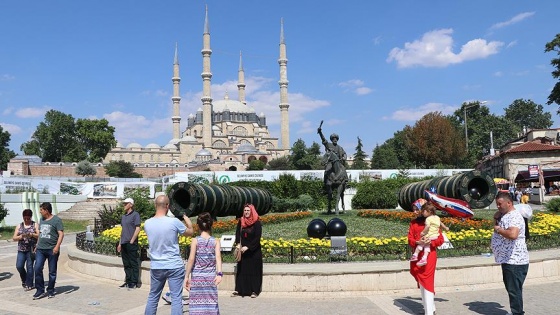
(127, 200)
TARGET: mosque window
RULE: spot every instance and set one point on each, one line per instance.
(269, 145)
(245, 141)
(239, 131)
(219, 144)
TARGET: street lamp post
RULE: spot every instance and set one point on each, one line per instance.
(465, 113)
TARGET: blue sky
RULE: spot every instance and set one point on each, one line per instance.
(367, 68)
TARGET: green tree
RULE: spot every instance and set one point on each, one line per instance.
(526, 113)
(279, 164)
(5, 153)
(398, 143)
(256, 165)
(60, 138)
(304, 158)
(53, 138)
(360, 156)
(480, 123)
(85, 168)
(434, 140)
(96, 138)
(554, 45)
(384, 157)
(121, 169)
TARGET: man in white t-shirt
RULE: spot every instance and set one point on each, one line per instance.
(510, 250)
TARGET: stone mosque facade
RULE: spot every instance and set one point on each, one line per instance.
(222, 134)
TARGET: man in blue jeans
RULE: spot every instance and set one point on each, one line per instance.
(165, 257)
(510, 250)
(51, 234)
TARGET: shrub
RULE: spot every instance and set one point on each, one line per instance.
(553, 205)
(110, 216)
(378, 194)
(3, 212)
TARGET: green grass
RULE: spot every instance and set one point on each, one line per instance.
(70, 226)
(356, 226)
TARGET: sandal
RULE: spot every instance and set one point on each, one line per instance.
(253, 295)
(234, 293)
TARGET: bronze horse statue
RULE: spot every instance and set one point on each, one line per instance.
(335, 177)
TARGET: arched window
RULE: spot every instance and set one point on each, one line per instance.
(219, 144)
(239, 131)
(245, 141)
(269, 145)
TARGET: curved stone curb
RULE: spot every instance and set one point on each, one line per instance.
(342, 277)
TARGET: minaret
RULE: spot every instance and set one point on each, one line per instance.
(206, 81)
(241, 79)
(284, 105)
(176, 118)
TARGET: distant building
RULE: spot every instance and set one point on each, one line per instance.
(534, 157)
(222, 134)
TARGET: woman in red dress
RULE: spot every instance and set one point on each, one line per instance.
(424, 275)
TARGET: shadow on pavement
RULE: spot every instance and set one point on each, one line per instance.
(486, 308)
(5, 275)
(66, 289)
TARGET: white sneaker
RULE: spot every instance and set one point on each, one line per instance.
(167, 297)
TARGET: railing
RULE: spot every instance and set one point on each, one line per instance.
(294, 255)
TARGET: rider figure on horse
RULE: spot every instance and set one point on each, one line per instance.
(333, 177)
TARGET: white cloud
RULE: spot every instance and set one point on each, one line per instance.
(7, 111)
(262, 94)
(12, 129)
(414, 114)
(516, 19)
(31, 112)
(133, 128)
(355, 86)
(377, 40)
(511, 44)
(6, 77)
(435, 49)
(498, 73)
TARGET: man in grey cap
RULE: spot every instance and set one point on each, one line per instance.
(128, 245)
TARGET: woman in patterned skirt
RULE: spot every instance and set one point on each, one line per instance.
(204, 269)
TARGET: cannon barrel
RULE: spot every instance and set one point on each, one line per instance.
(475, 187)
(219, 200)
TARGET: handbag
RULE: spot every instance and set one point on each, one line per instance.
(237, 252)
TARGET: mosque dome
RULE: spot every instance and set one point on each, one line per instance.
(188, 139)
(174, 141)
(203, 152)
(152, 146)
(247, 148)
(119, 145)
(134, 145)
(231, 105)
(170, 146)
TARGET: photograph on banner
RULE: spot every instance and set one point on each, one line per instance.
(68, 188)
(148, 188)
(105, 190)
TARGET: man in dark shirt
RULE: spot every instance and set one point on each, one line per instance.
(128, 245)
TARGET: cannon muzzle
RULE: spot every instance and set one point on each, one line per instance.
(219, 200)
(475, 187)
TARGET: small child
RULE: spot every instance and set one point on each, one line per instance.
(430, 233)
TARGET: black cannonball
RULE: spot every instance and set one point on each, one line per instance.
(336, 227)
(317, 228)
(474, 193)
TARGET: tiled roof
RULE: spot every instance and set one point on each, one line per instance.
(533, 147)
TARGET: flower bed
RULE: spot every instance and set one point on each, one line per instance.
(473, 238)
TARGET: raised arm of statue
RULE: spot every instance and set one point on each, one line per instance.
(323, 140)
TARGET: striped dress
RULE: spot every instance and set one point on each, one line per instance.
(203, 294)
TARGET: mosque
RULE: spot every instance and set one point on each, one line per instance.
(221, 135)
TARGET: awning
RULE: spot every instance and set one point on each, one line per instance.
(552, 175)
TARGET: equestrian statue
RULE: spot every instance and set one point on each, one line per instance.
(335, 177)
